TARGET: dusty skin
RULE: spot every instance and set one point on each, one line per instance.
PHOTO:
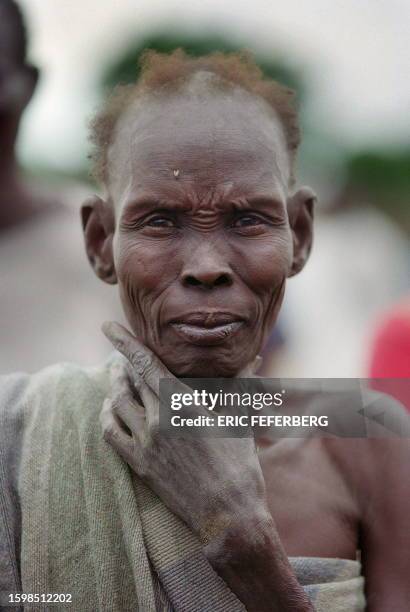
(200, 230)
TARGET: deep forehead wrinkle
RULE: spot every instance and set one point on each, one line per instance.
(181, 197)
(147, 204)
(187, 195)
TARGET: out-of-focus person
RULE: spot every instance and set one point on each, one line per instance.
(390, 356)
(390, 353)
(19, 201)
(46, 290)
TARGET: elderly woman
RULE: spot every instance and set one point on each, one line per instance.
(200, 225)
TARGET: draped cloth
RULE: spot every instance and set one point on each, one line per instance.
(92, 529)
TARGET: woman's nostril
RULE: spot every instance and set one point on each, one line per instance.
(207, 281)
(191, 280)
(222, 280)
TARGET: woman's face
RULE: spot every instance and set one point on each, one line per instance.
(202, 242)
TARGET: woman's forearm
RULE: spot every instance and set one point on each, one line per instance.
(250, 558)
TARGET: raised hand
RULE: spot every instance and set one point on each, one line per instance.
(213, 484)
(209, 482)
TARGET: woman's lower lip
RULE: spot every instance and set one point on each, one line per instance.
(207, 336)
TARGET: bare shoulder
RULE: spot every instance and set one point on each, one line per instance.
(376, 468)
(378, 452)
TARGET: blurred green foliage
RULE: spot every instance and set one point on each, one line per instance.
(381, 179)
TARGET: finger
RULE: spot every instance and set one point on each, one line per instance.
(122, 387)
(123, 403)
(119, 379)
(112, 430)
(129, 448)
(149, 399)
(131, 415)
(143, 361)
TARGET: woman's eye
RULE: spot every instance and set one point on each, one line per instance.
(248, 220)
(161, 221)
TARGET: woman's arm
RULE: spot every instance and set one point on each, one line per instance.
(385, 524)
(377, 470)
(215, 485)
(250, 558)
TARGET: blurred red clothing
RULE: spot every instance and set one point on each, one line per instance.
(391, 350)
(390, 358)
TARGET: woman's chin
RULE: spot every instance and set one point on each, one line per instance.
(205, 366)
(190, 360)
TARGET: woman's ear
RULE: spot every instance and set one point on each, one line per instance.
(98, 227)
(300, 211)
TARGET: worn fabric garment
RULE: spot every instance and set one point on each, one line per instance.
(11, 434)
(91, 528)
(333, 585)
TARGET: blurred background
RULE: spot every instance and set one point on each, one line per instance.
(348, 313)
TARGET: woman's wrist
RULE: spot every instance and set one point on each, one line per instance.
(227, 535)
(249, 557)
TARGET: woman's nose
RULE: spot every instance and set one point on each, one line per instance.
(207, 273)
(208, 280)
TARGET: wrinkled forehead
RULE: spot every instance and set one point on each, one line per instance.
(207, 137)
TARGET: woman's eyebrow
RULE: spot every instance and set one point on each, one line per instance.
(259, 201)
(147, 203)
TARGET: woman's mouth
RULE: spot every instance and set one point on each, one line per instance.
(207, 328)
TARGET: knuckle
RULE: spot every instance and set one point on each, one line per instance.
(136, 358)
(144, 364)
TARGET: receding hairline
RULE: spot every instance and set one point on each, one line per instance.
(163, 74)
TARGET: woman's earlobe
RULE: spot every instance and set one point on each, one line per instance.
(98, 228)
(300, 210)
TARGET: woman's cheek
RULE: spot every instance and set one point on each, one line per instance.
(266, 263)
(141, 263)
(143, 271)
